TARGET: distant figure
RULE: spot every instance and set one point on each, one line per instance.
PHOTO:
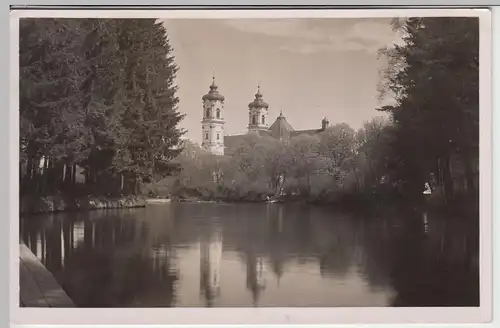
(269, 200)
(427, 190)
(426, 222)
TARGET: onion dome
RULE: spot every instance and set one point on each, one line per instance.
(258, 102)
(213, 94)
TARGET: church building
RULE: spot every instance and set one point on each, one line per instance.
(213, 122)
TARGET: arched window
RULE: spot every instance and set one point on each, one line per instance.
(206, 136)
(254, 119)
(263, 119)
(217, 136)
(218, 113)
(208, 113)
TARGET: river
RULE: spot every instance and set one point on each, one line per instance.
(241, 255)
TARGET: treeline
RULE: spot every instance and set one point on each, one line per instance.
(431, 135)
(98, 110)
(330, 166)
(98, 115)
(434, 78)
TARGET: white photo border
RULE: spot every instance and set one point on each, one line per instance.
(246, 316)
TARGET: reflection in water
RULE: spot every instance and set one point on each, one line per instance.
(210, 261)
(257, 255)
(255, 277)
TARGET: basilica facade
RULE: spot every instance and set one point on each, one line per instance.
(214, 139)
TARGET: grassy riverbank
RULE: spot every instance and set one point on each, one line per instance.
(460, 206)
(60, 203)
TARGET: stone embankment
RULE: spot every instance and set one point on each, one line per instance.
(37, 286)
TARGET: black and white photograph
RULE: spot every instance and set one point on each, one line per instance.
(243, 161)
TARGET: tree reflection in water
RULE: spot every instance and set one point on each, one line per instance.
(105, 259)
(429, 260)
(210, 257)
(315, 255)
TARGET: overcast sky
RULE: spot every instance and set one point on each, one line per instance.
(307, 68)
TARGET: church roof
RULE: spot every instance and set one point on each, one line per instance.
(311, 132)
(231, 143)
(258, 101)
(213, 94)
(281, 128)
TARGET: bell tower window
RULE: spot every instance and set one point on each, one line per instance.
(254, 119)
(217, 136)
(218, 113)
(206, 136)
(263, 119)
(208, 113)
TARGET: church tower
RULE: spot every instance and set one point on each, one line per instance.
(213, 121)
(258, 111)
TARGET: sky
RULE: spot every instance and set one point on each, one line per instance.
(306, 68)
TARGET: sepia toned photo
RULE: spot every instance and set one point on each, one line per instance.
(251, 162)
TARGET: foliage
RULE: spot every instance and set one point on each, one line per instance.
(264, 166)
(99, 95)
(433, 77)
(96, 95)
(431, 135)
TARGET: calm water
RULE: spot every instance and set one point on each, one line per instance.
(188, 254)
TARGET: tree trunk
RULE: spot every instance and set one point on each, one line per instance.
(50, 173)
(73, 174)
(447, 182)
(35, 185)
(29, 168)
(469, 172)
(135, 186)
(21, 174)
(42, 176)
(67, 175)
(46, 173)
(64, 173)
(56, 175)
(308, 179)
(87, 176)
(437, 172)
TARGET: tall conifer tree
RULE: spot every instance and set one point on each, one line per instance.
(99, 93)
(434, 77)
